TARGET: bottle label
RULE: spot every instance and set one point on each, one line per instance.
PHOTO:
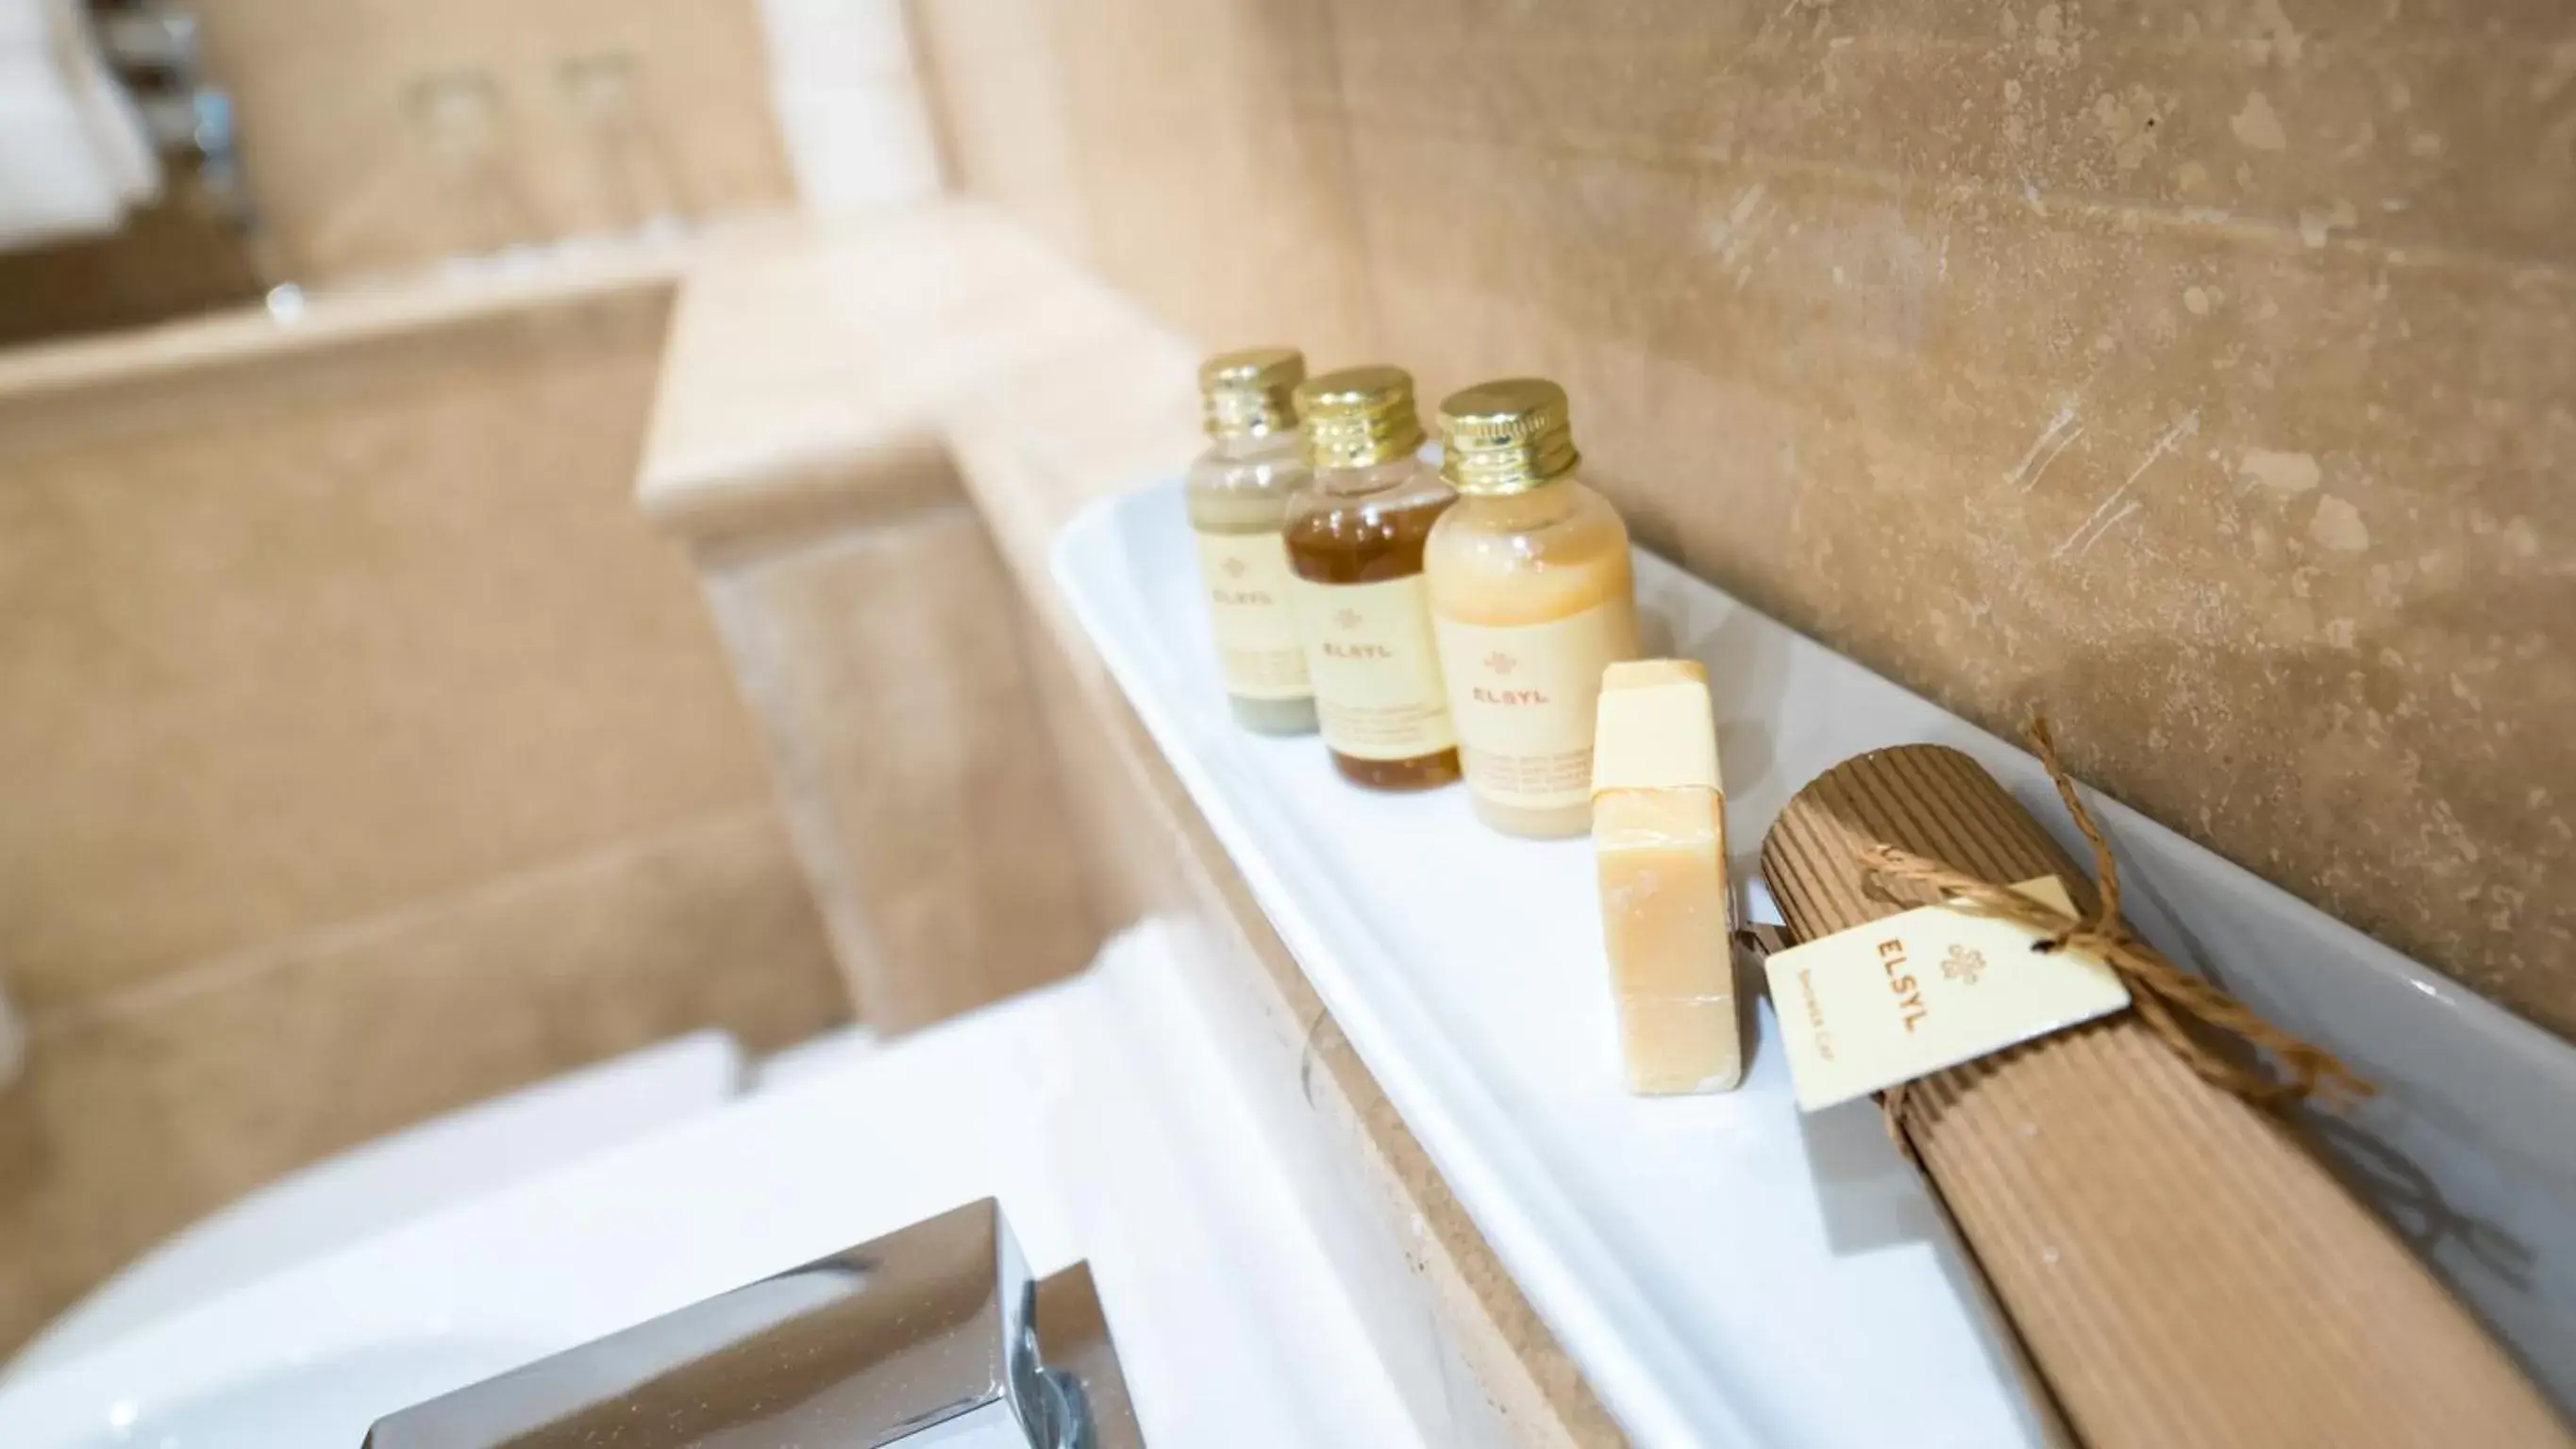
(1524, 697)
(1256, 623)
(1376, 668)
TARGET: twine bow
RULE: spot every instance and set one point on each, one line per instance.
(2169, 999)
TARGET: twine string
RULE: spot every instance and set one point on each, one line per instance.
(2176, 1005)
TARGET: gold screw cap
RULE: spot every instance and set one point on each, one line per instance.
(1506, 437)
(1252, 393)
(1359, 417)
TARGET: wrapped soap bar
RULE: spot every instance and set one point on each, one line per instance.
(2178, 1265)
(1659, 834)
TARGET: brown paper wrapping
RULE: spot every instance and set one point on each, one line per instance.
(2179, 1268)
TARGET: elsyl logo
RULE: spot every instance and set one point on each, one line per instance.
(1963, 964)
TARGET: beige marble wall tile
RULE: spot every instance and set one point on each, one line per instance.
(137, 1118)
(883, 662)
(2198, 373)
(293, 643)
(350, 174)
(2381, 125)
(2264, 519)
(1003, 125)
(1214, 168)
(166, 260)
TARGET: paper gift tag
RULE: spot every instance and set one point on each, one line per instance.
(1930, 988)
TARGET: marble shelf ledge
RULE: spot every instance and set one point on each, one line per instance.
(1724, 1270)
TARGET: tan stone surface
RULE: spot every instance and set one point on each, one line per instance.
(297, 641)
(347, 170)
(1206, 131)
(883, 663)
(167, 259)
(1103, 435)
(795, 449)
(828, 348)
(366, 754)
(1007, 127)
(33, 378)
(138, 1116)
(2199, 374)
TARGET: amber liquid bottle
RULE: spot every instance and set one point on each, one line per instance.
(1355, 536)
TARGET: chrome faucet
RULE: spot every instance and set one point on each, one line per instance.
(934, 1333)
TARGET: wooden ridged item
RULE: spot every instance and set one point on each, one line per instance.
(2180, 1269)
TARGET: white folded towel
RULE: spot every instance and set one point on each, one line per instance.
(73, 152)
(115, 122)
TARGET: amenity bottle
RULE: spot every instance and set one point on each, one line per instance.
(1237, 496)
(1355, 537)
(1532, 596)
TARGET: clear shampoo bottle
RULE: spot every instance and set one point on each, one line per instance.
(1237, 495)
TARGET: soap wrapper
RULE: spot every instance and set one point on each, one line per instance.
(1906, 995)
(2178, 1266)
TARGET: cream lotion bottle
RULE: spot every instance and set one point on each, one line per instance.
(1532, 598)
(1237, 497)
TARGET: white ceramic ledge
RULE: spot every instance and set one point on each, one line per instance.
(1723, 1270)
